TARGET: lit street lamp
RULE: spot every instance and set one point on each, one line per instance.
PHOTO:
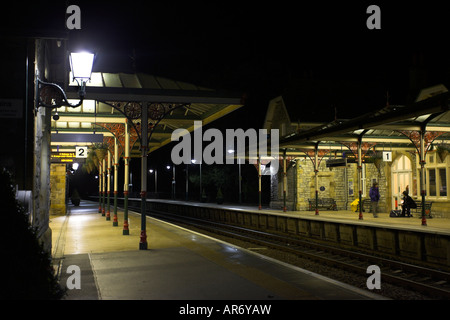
(51, 95)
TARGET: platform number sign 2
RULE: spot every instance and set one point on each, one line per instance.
(387, 156)
(81, 152)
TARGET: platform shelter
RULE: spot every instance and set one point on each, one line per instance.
(327, 166)
(109, 125)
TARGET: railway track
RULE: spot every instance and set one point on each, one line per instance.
(430, 282)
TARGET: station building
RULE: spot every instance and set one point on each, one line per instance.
(388, 141)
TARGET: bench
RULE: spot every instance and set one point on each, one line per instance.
(367, 206)
(323, 203)
(418, 210)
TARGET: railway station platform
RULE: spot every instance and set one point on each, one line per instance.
(399, 238)
(178, 265)
(439, 225)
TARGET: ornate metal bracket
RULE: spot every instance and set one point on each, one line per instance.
(414, 137)
(156, 111)
(321, 153)
(353, 147)
(51, 95)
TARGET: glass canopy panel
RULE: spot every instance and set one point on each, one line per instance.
(112, 80)
(70, 109)
(89, 106)
(96, 80)
(61, 124)
(130, 80)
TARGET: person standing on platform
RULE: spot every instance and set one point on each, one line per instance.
(374, 198)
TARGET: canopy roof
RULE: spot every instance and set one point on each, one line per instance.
(388, 128)
(110, 95)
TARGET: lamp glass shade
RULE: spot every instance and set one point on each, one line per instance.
(81, 64)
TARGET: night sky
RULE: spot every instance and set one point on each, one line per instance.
(319, 55)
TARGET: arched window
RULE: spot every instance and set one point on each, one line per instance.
(401, 178)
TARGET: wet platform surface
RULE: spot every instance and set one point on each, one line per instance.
(178, 265)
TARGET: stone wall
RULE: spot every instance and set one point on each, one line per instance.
(58, 189)
(41, 160)
(336, 183)
(332, 183)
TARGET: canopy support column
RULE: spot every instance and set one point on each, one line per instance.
(104, 187)
(100, 189)
(360, 177)
(259, 183)
(108, 188)
(116, 178)
(144, 145)
(284, 180)
(316, 177)
(126, 231)
(422, 173)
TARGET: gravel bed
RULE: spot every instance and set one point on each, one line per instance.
(387, 290)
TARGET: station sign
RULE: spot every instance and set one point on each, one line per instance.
(65, 157)
(81, 152)
(387, 156)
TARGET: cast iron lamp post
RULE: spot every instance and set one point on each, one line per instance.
(51, 95)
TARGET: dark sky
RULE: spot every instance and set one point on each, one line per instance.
(319, 54)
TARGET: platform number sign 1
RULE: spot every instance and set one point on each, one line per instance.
(387, 156)
(81, 152)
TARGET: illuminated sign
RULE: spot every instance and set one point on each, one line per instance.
(64, 157)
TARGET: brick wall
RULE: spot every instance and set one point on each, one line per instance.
(58, 189)
(332, 183)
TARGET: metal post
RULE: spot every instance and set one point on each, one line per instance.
(201, 191)
(156, 182)
(126, 230)
(187, 182)
(259, 182)
(240, 181)
(104, 186)
(359, 178)
(116, 176)
(316, 172)
(108, 188)
(173, 182)
(422, 174)
(144, 145)
(99, 189)
(285, 181)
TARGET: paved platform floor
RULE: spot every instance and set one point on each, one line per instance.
(178, 265)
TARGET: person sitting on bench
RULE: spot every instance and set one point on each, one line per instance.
(407, 205)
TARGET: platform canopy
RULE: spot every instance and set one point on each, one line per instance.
(393, 127)
(110, 97)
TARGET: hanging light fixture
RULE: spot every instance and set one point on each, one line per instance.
(51, 95)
